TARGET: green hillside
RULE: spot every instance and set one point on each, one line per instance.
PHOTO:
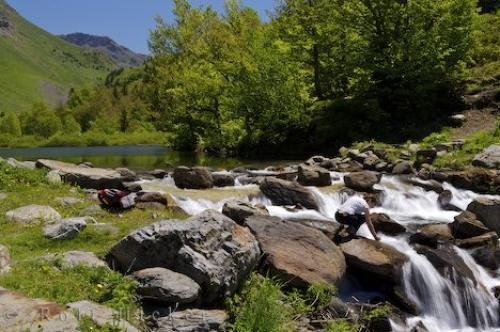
(35, 65)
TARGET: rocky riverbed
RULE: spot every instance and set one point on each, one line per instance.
(436, 265)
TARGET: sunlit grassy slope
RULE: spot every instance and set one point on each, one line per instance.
(35, 65)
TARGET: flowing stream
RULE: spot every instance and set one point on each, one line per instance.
(454, 304)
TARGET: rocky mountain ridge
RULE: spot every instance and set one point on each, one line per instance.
(120, 54)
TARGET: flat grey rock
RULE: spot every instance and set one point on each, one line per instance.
(193, 320)
(489, 158)
(68, 201)
(32, 214)
(101, 315)
(65, 229)
(71, 259)
(166, 286)
(21, 314)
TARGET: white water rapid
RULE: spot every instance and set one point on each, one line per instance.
(455, 304)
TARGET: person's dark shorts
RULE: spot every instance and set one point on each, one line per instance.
(353, 221)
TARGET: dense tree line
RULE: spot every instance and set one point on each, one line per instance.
(323, 71)
(317, 74)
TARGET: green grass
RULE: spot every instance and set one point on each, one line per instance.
(35, 277)
(31, 59)
(474, 144)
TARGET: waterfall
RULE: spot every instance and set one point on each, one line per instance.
(446, 304)
(454, 304)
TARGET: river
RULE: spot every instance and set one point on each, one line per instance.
(446, 304)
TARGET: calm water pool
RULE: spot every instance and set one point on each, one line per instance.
(135, 157)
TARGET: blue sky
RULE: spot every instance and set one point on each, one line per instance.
(126, 21)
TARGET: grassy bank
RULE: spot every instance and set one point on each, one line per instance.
(37, 278)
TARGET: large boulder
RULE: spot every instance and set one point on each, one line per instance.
(403, 167)
(383, 223)
(486, 239)
(432, 234)
(298, 255)
(374, 258)
(209, 248)
(102, 316)
(20, 314)
(239, 211)
(85, 177)
(223, 179)
(193, 320)
(32, 214)
(490, 157)
(314, 176)
(65, 229)
(362, 181)
(282, 192)
(487, 211)
(193, 178)
(166, 286)
(466, 225)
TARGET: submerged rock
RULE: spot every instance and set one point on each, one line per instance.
(314, 176)
(166, 286)
(32, 214)
(375, 258)
(193, 320)
(209, 248)
(193, 178)
(298, 255)
(282, 192)
(362, 181)
(447, 262)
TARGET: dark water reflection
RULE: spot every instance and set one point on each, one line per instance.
(137, 157)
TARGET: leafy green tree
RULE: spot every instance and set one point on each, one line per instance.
(41, 121)
(10, 124)
(70, 125)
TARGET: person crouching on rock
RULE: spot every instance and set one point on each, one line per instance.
(352, 215)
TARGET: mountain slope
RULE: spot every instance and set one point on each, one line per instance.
(120, 54)
(36, 65)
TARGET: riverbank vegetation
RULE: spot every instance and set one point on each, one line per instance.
(315, 76)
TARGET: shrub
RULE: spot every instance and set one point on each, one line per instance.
(259, 307)
(10, 125)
